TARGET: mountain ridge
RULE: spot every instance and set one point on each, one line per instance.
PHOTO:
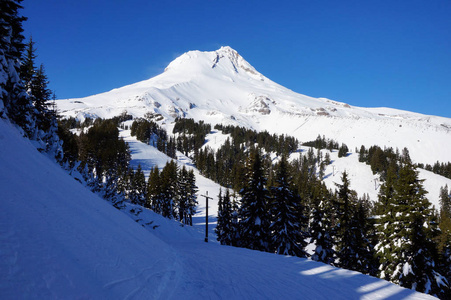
(222, 87)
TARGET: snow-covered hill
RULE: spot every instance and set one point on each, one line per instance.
(221, 87)
(60, 241)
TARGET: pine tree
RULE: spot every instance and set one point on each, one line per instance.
(320, 227)
(191, 198)
(287, 237)
(187, 200)
(169, 189)
(365, 240)
(407, 229)
(346, 232)
(138, 187)
(444, 239)
(40, 93)
(182, 199)
(27, 67)
(220, 226)
(154, 190)
(14, 101)
(254, 216)
(226, 229)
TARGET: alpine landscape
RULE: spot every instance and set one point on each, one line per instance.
(211, 181)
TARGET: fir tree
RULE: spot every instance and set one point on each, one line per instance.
(444, 239)
(169, 189)
(154, 191)
(346, 232)
(187, 199)
(14, 101)
(254, 216)
(27, 67)
(191, 198)
(407, 229)
(320, 227)
(182, 199)
(41, 94)
(138, 188)
(365, 240)
(287, 237)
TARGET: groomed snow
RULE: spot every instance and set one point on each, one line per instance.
(60, 241)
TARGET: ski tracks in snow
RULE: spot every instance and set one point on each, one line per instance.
(157, 281)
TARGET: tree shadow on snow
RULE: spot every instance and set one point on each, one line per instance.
(368, 287)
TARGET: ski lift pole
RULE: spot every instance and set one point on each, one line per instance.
(206, 215)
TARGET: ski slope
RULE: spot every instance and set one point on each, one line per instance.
(60, 241)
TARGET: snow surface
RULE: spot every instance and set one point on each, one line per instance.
(221, 87)
(60, 241)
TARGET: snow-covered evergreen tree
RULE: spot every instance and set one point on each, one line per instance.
(287, 236)
(228, 219)
(346, 225)
(138, 189)
(169, 189)
(320, 228)
(154, 190)
(191, 197)
(254, 215)
(187, 199)
(15, 102)
(28, 67)
(407, 229)
(444, 242)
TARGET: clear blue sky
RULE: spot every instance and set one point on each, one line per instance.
(366, 53)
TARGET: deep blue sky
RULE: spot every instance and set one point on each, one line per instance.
(366, 53)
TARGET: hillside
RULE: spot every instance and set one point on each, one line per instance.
(222, 87)
(58, 240)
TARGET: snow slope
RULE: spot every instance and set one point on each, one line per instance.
(221, 87)
(58, 240)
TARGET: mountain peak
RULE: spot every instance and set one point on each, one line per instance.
(226, 59)
(227, 51)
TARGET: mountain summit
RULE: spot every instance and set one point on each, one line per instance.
(224, 60)
(222, 87)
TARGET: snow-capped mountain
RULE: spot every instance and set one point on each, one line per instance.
(222, 87)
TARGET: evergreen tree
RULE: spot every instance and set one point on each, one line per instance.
(287, 237)
(28, 68)
(225, 226)
(320, 227)
(365, 240)
(40, 93)
(154, 190)
(169, 189)
(234, 235)
(138, 187)
(187, 199)
(221, 221)
(407, 229)
(254, 216)
(191, 198)
(14, 101)
(182, 201)
(343, 151)
(444, 239)
(346, 227)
